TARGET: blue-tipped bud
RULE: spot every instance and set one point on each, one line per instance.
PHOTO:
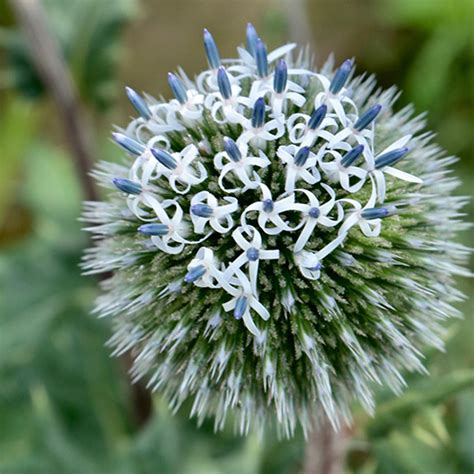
(391, 157)
(281, 77)
(164, 158)
(194, 274)
(138, 103)
(177, 87)
(340, 78)
(314, 212)
(301, 156)
(240, 306)
(212, 52)
(258, 113)
(376, 212)
(127, 186)
(367, 117)
(351, 156)
(232, 149)
(224, 83)
(268, 205)
(153, 229)
(261, 58)
(201, 210)
(253, 254)
(129, 144)
(252, 38)
(317, 117)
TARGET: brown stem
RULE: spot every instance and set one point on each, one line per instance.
(326, 449)
(47, 58)
(142, 404)
(49, 63)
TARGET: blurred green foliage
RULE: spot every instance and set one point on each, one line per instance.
(440, 56)
(64, 403)
(17, 115)
(88, 33)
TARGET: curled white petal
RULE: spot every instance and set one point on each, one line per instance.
(252, 254)
(309, 263)
(220, 219)
(243, 169)
(307, 172)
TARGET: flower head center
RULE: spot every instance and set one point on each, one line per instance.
(253, 254)
(314, 213)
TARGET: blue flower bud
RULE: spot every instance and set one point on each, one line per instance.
(252, 38)
(232, 149)
(240, 306)
(301, 156)
(164, 158)
(201, 210)
(268, 205)
(212, 52)
(258, 113)
(194, 274)
(351, 156)
(177, 87)
(253, 254)
(314, 212)
(224, 83)
(317, 117)
(341, 76)
(153, 229)
(367, 117)
(129, 144)
(281, 77)
(391, 157)
(376, 213)
(127, 186)
(138, 103)
(261, 58)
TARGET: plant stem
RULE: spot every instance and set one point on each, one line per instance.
(49, 63)
(326, 449)
(47, 58)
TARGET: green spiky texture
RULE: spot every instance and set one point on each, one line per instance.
(378, 303)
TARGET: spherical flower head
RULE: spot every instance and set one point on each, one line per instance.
(279, 239)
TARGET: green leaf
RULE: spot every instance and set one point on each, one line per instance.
(17, 126)
(431, 391)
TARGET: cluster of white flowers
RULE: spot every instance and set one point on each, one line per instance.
(327, 157)
(250, 268)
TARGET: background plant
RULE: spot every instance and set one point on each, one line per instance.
(62, 398)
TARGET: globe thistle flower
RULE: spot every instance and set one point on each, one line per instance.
(280, 239)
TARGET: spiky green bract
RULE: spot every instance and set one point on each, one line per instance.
(362, 317)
